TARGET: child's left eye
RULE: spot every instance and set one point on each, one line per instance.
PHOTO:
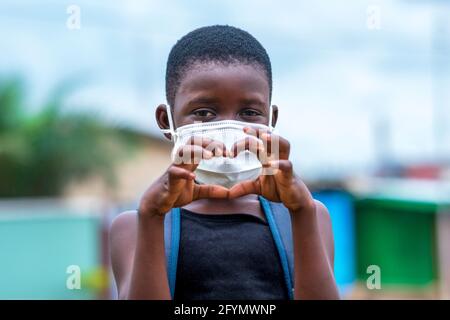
(249, 113)
(203, 113)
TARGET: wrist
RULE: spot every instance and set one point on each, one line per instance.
(150, 213)
(149, 220)
(305, 208)
(301, 200)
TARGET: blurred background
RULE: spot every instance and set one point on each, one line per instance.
(363, 89)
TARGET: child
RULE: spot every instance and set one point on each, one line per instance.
(227, 249)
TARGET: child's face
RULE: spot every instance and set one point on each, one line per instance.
(214, 92)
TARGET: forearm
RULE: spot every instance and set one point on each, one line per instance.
(149, 274)
(314, 278)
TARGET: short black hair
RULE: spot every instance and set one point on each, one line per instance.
(218, 43)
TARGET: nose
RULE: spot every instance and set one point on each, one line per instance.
(228, 113)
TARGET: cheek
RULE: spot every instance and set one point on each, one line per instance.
(181, 117)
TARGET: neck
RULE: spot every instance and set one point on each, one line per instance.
(245, 204)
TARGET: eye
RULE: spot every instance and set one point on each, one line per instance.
(203, 113)
(250, 113)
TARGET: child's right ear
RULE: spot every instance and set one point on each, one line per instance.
(162, 119)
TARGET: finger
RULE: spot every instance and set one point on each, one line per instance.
(250, 143)
(176, 173)
(244, 188)
(177, 177)
(204, 191)
(191, 155)
(284, 167)
(277, 147)
(216, 147)
(259, 133)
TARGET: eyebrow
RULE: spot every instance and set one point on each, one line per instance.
(203, 100)
(212, 100)
(252, 101)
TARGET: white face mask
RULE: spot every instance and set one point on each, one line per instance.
(222, 171)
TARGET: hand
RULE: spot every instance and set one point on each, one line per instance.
(176, 187)
(281, 185)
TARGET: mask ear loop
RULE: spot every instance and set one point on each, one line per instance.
(171, 129)
(270, 118)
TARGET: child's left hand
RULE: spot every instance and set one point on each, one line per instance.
(281, 186)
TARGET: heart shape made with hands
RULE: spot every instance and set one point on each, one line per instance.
(234, 152)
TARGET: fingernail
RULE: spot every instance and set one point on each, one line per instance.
(219, 152)
(208, 154)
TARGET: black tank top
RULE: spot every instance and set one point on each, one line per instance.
(227, 256)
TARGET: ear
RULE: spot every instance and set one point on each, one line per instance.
(274, 115)
(162, 119)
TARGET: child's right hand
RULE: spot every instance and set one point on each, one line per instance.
(176, 187)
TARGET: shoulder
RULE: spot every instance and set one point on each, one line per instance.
(122, 234)
(124, 219)
(323, 217)
(326, 229)
(122, 241)
(124, 222)
(322, 212)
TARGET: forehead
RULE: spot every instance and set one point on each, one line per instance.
(235, 80)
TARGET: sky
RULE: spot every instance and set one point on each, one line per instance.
(357, 82)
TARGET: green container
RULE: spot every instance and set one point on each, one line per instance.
(399, 236)
(36, 251)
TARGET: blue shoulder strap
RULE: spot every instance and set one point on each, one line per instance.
(279, 221)
(171, 245)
